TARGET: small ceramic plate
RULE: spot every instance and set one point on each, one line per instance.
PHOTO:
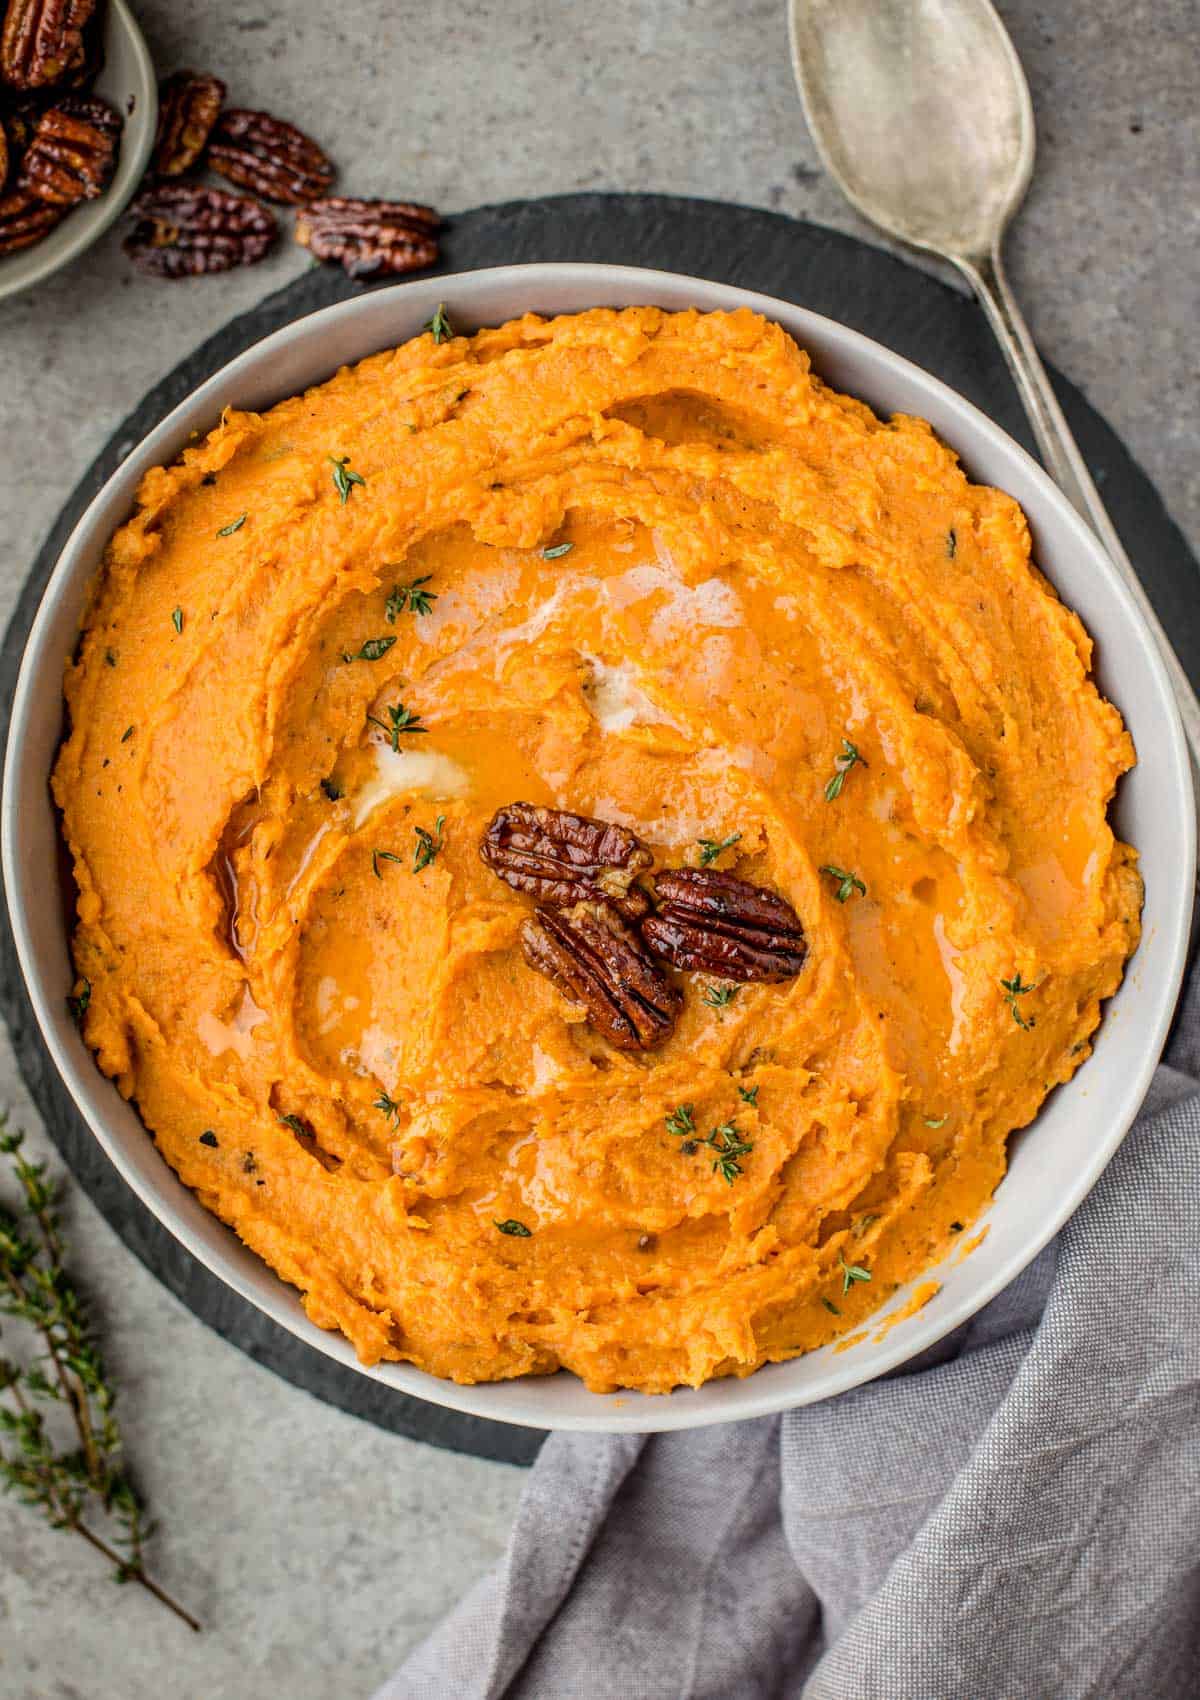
(128, 84)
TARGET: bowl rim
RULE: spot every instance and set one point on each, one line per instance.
(85, 224)
(516, 1401)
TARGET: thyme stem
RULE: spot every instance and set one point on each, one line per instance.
(36, 1289)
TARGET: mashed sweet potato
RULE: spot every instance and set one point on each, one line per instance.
(646, 567)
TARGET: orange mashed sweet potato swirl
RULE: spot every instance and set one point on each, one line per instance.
(646, 567)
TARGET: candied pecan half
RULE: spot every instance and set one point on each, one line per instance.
(20, 122)
(5, 155)
(563, 858)
(596, 959)
(188, 104)
(73, 152)
(719, 924)
(269, 156)
(370, 238)
(186, 229)
(42, 41)
(24, 220)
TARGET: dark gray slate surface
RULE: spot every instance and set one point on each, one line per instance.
(833, 274)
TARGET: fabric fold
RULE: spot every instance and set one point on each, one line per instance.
(1014, 1516)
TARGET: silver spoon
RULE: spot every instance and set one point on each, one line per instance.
(921, 113)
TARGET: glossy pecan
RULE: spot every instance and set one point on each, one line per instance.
(717, 924)
(370, 238)
(20, 122)
(563, 858)
(5, 153)
(268, 156)
(42, 42)
(24, 219)
(73, 152)
(596, 959)
(186, 229)
(188, 105)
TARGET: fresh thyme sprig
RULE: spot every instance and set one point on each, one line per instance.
(387, 1107)
(407, 598)
(726, 1141)
(429, 844)
(848, 882)
(344, 479)
(439, 326)
(711, 848)
(373, 650)
(718, 997)
(401, 720)
(848, 758)
(1014, 989)
(72, 1483)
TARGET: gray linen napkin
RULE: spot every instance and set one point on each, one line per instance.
(1015, 1516)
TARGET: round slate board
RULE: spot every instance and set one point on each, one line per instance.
(850, 281)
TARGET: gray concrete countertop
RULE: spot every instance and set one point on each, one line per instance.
(315, 1548)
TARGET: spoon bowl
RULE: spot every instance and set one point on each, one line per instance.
(921, 112)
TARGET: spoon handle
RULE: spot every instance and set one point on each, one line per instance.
(1063, 461)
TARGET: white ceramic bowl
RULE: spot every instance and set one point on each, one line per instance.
(1054, 1162)
(127, 77)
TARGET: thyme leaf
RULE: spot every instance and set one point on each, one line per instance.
(726, 1141)
(951, 543)
(373, 650)
(344, 479)
(387, 1106)
(439, 326)
(842, 765)
(557, 551)
(518, 1230)
(409, 598)
(399, 720)
(848, 883)
(681, 1121)
(748, 1095)
(718, 997)
(78, 1002)
(378, 856)
(729, 1145)
(1014, 989)
(428, 844)
(177, 619)
(852, 1272)
(234, 525)
(711, 848)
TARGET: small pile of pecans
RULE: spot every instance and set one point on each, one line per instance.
(597, 932)
(58, 141)
(185, 228)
